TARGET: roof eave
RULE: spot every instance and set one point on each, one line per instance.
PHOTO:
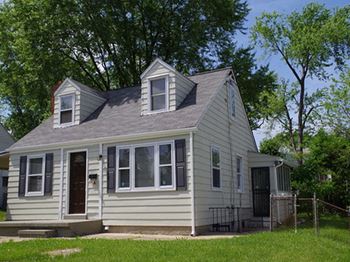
(105, 140)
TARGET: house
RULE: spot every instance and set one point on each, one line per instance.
(160, 157)
(6, 140)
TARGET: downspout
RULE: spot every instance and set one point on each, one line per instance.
(61, 187)
(276, 185)
(193, 222)
(100, 184)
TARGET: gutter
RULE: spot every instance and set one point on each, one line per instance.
(193, 217)
(104, 140)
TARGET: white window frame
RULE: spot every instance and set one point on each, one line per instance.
(241, 174)
(149, 95)
(60, 110)
(118, 188)
(35, 193)
(157, 186)
(215, 147)
(232, 103)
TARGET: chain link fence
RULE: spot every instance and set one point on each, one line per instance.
(293, 213)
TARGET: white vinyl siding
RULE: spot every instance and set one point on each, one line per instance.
(69, 89)
(33, 208)
(178, 87)
(147, 208)
(85, 104)
(214, 129)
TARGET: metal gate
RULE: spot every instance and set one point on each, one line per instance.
(261, 191)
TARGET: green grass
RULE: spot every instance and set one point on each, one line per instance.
(332, 245)
(2, 215)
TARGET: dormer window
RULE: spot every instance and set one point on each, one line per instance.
(66, 109)
(158, 101)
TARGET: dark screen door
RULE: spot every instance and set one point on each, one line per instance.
(77, 183)
(261, 191)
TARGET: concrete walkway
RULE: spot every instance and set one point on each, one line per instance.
(121, 236)
(159, 237)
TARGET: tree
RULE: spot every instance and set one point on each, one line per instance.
(307, 42)
(255, 82)
(337, 106)
(326, 170)
(108, 44)
(275, 146)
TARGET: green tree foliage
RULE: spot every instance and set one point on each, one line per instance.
(275, 146)
(337, 106)
(326, 170)
(107, 44)
(308, 42)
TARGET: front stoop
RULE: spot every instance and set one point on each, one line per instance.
(63, 228)
(75, 217)
(37, 233)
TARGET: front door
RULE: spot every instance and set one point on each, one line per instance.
(261, 191)
(77, 183)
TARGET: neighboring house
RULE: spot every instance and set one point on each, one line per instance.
(150, 158)
(6, 140)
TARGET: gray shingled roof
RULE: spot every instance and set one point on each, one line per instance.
(121, 115)
(6, 139)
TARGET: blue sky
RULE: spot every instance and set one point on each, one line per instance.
(282, 6)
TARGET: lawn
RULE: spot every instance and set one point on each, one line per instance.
(332, 245)
(2, 215)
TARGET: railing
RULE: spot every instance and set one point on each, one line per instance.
(222, 219)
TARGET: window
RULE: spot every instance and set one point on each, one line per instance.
(283, 179)
(158, 94)
(66, 109)
(124, 168)
(232, 100)
(239, 173)
(146, 167)
(35, 176)
(215, 165)
(165, 167)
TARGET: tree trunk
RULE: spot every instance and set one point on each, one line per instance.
(300, 149)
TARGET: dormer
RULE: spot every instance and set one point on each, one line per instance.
(74, 102)
(163, 88)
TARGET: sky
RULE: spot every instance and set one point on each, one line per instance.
(281, 6)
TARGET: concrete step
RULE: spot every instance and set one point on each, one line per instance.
(37, 233)
(64, 228)
(75, 217)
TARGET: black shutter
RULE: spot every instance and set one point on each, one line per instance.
(22, 176)
(111, 162)
(48, 174)
(181, 176)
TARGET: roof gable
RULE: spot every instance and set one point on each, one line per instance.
(79, 87)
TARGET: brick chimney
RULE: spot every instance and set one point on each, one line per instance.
(53, 90)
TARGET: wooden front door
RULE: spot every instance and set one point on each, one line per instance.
(261, 191)
(77, 183)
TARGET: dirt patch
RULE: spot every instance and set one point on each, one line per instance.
(63, 252)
